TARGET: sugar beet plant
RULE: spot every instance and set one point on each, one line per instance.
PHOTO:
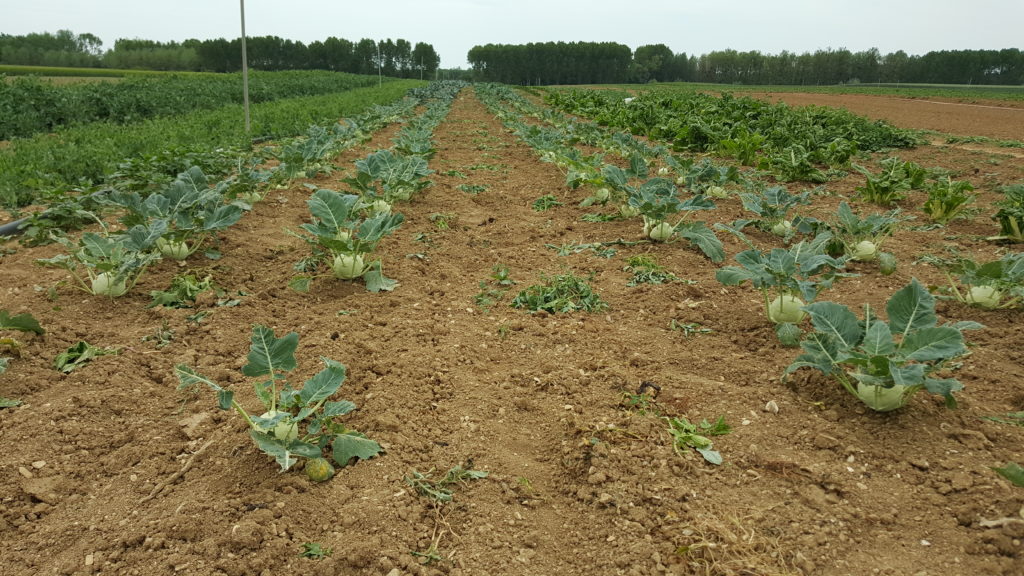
(1011, 214)
(947, 199)
(891, 184)
(296, 422)
(884, 363)
(342, 237)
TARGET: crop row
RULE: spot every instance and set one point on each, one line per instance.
(176, 220)
(79, 160)
(30, 106)
(882, 362)
(790, 142)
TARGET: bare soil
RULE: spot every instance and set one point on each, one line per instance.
(111, 470)
(991, 118)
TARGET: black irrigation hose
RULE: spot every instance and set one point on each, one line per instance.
(12, 228)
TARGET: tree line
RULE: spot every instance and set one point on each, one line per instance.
(602, 62)
(396, 58)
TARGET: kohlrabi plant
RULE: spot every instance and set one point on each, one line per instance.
(1011, 214)
(613, 185)
(390, 176)
(885, 362)
(295, 422)
(990, 285)
(302, 157)
(108, 265)
(343, 239)
(862, 238)
(657, 200)
(787, 279)
(188, 212)
(772, 207)
(704, 177)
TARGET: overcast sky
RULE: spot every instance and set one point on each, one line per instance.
(455, 26)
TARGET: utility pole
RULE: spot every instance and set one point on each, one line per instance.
(380, 63)
(245, 72)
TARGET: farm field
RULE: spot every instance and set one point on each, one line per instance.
(997, 119)
(109, 468)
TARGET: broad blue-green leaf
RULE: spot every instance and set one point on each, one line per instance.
(141, 238)
(300, 283)
(704, 238)
(320, 387)
(788, 334)
(270, 355)
(1013, 472)
(394, 170)
(712, 456)
(637, 166)
(188, 377)
(781, 263)
(907, 374)
(614, 176)
(221, 217)
(697, 203)
(332, 409)
(373, 229)
(97, 245)
(353, 445)
(944, 387)
(965, 325)
(332, 208)
(820, 352)
(837, 321)
(24, 322)
(911, 308)
(870, 380)
(225, 398)
(808, 289)
(935, 343)
(1013, 267)
(376, 281)
(732, 275)
(284, 452)
(878, 339)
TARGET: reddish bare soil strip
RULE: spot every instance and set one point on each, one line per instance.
(578, 484)
(992, 119)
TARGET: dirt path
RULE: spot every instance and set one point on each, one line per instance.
(445, 372)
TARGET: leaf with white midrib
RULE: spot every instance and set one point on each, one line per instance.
(270, 355)
(911, 308)
(837, 321)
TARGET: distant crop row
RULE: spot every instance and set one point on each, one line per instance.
(30, 106)
(46, 167)
(788, 141)
(881, 362)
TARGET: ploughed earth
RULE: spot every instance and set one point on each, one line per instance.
(112, 470)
